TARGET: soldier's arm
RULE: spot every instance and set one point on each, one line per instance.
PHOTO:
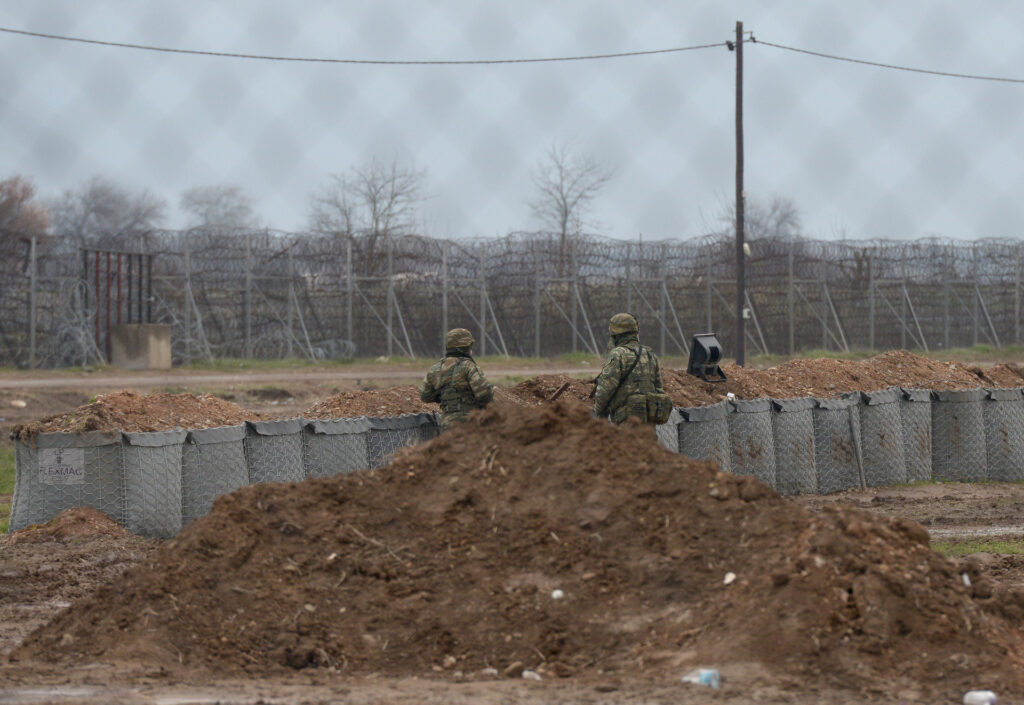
(607, 382)
(428, 392)
(483, 391)
(657, 377)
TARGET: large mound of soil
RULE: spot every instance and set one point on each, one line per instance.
(348, 403)
(448, 558)
(825, 377)
(130, 411)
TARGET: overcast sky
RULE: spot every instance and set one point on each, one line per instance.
(861, 151)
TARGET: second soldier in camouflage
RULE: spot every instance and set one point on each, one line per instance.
(630, 370)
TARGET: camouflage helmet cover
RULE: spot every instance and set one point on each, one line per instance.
(458, 338)
(622, 323)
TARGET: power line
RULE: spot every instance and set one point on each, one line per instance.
(888, 66)
(381, 62)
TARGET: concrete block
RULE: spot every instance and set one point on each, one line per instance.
(141, 346)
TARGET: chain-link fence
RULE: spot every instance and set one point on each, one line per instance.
(275, 295)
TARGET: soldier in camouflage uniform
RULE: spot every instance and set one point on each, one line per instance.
(456, 383)
(617, 382)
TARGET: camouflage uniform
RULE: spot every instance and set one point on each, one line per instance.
(456, 383)
(644, 379)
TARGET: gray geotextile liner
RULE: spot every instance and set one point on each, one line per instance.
(751, 440)
(958, 435)
(212, 464)
(152, 482)
(1004, 434)
(334, 446)
(273, 451)
(838, 461)
(916, 426)
(704, 433)
(882, 438)
(793, 429)
(58, 471)
(387, 434)
(668, 432)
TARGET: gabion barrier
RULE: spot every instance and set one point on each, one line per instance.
(58, 471)
(152, 482)
(751, 439)
(704, 433)
(212, 464)
(916, 422)
(1004, 434)
(668, 432)
(838, 461)
(335, 446)
(793, 429)
(273, 451)
(388, 434)
(882, 438)
(958, 436)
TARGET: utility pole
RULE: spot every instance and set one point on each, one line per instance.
(741, 284)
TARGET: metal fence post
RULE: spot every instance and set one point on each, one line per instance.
(188, 301)
(629, 277)
(1016, 296)
(390, 296)
(444, 291)
(536, 305)
(483, 301)
(292, 301)
(33, 279)
(247, 303)
(349, 289)
(790, 299)
(709, 286)
(574, 293)
(871, 301)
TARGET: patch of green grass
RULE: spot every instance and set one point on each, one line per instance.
(983, 545)
(580, 358)
(510, 380)
(6, 486)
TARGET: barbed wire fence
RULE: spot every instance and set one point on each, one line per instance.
(271, 295)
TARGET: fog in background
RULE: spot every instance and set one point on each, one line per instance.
(860, 151)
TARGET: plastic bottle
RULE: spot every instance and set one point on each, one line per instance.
(705, 676)
(980, 697)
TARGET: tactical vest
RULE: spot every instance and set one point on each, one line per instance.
(455, 392)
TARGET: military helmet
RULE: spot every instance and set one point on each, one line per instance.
(622, 323)
(458, 338)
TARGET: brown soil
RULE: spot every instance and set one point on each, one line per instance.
(393, 401)
(74, 523)
(130, 411)
(1005, 374)
(44, 568)
(538, 390)
(447, 560)
(825, 377)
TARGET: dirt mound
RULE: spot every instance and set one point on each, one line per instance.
(74, 523)
(130, 411)
(1005, 374)
(542, 388)
(825, 377)
(448, 558)
(369, 402)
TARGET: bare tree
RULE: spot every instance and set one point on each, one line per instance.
(369, 203)
(218, 207)
(779, 219)
(566, 184)
(100, 209)
(20, 214)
